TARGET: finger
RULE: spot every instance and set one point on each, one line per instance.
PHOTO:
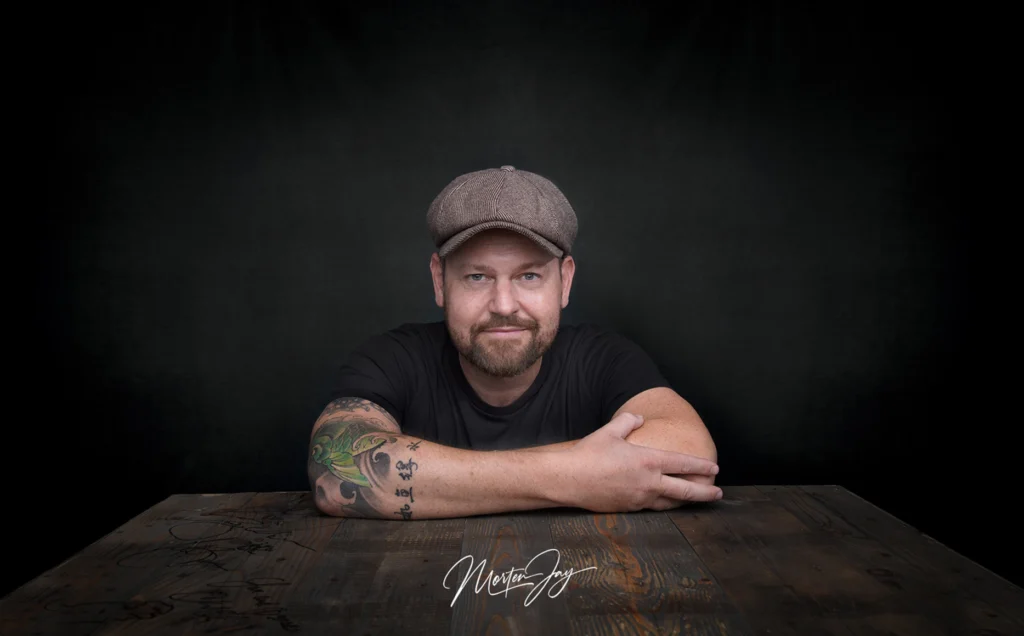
(623, 424)
(685, 490)
(672, 463)
(664, 503)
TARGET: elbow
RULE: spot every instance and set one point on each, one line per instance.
(327, 497)
(701, 446)
(706, 450)
(710, 451)
(325, 505)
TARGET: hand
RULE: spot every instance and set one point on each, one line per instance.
(608, 474)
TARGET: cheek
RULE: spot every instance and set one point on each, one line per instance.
(464, 314)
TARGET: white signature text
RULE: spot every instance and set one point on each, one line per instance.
(515, 578)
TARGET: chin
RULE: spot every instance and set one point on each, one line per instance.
(504, 370)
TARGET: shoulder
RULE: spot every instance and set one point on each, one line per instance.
(402, 345)
(604, 350)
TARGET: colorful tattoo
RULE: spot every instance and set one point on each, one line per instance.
(349, 465)
(337, 445)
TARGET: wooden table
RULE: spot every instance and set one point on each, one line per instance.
(763, 560)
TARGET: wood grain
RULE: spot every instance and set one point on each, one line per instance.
(770, 605)
(809, 570)
(966, 596)
(504, 543)
(266, 544)
(380, 576)
(763, 560)
(647, 578)
(103, 585)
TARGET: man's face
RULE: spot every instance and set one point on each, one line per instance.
(501, 279)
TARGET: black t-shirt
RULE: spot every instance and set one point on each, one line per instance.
(413, 372)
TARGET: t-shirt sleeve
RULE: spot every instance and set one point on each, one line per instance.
(622, 369)
(376, 370)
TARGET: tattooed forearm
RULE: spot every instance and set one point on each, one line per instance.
(362, 465)
(348, 463)
(351, 452)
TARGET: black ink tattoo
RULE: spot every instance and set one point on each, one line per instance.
(404, 512)
(415, 445)
(349, 404)
(358, 407)
(402, 492)
(405, 469)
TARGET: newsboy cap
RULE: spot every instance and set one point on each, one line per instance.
(507, 198)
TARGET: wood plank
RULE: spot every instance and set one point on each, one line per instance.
(984, 592)
(503, 543)
(647, 578)
(854, 580)
(944, 600)
(769, 559)
(381, 576)
(100, 585)
(268, 544)
(814, 565)
(660, 623)
(769, 604)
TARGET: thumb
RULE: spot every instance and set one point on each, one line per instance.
(623, 425)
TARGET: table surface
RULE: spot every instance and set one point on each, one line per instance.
(763, 560)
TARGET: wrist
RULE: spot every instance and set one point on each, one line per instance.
(556, 477)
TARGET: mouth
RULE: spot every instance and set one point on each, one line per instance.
(504, 331)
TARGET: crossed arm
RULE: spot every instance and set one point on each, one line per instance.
(670, 423)
(361, 465)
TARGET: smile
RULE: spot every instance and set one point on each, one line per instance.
(505, 333)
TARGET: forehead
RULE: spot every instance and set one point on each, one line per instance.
(500, 249)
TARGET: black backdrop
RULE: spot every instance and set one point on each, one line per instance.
(771, 201)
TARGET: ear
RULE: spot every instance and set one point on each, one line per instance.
(568, 271)
(435, 275)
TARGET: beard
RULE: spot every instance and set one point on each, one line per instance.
(503, 357)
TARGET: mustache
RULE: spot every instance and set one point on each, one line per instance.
(506, 326)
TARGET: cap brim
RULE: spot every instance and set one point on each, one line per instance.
(454, 242)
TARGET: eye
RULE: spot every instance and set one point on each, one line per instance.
(536, 276)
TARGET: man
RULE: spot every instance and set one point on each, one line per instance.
(499, 407)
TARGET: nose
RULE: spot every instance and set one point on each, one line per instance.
(504, 301)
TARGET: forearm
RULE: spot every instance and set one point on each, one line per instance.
(371, 472)
(662, 434)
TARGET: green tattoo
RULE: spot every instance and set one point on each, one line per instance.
(338, 443)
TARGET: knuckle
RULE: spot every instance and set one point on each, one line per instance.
(686, 490)
(649, 462)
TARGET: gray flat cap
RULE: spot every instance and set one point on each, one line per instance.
(505, 198)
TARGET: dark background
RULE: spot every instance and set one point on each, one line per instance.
(777, 202)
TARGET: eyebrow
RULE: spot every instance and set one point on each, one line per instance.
(490, 270)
